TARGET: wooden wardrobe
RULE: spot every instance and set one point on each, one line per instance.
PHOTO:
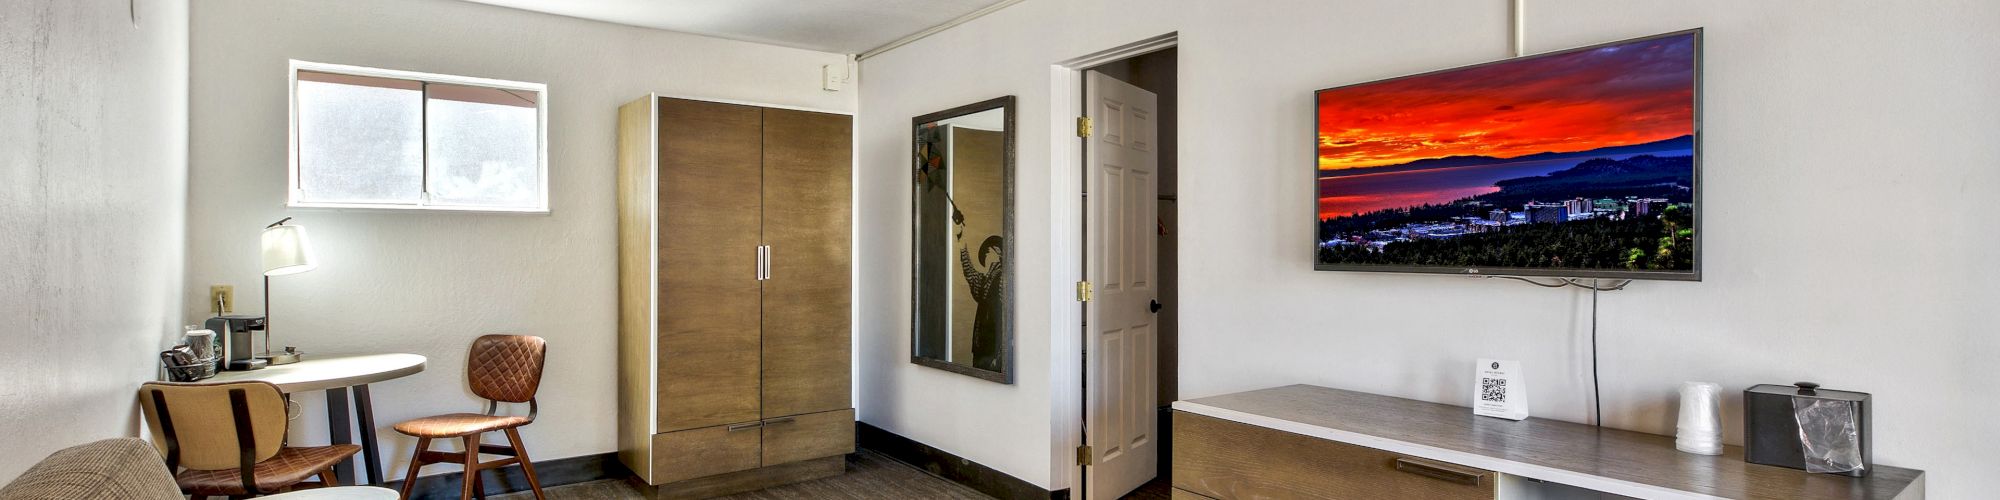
(734, 248)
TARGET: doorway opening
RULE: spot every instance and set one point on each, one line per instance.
(1129, 211)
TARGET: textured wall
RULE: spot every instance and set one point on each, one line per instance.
(430, 282)
(1847, 178)
(93, 172)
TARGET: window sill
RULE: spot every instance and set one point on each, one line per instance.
(339, 207)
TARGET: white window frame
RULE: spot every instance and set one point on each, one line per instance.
(292, 192)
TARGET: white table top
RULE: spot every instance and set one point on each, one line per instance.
(339, 492)
(328, 373)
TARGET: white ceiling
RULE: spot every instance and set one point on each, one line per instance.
(841, 26)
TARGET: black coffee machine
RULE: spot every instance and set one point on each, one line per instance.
(234, 332)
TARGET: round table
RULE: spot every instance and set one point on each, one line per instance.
(336, 375)
(339, 493)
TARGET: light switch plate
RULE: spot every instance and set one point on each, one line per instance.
(221, 299)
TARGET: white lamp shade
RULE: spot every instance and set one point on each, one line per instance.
(287, 251)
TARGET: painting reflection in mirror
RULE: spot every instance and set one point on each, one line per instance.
(963, 173)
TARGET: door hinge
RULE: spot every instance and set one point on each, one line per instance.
(1083, 455)
(1083, 291)
(1083, 126)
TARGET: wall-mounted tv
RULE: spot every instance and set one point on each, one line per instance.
(1578, 163)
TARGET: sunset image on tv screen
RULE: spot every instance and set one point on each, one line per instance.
(1578, 160)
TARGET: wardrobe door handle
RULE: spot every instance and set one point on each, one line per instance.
(779, 420)
(738, 427)
(767, 262)
(763, 261)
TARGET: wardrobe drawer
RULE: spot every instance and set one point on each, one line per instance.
(706, 451)
(808, 436)
(1228, 460)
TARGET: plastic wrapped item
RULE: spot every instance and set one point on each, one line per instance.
(1828, 435)
(1699, 429)
(201, 341)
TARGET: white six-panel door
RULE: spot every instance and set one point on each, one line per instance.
(1120, 234)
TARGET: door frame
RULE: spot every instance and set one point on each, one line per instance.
(1066, 215)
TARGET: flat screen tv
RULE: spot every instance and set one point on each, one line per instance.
(1579, 163)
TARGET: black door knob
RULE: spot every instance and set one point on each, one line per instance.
(1156, 305)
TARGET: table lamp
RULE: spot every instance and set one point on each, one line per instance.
(286, 251)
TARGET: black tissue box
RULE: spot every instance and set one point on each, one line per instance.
(1771, 431)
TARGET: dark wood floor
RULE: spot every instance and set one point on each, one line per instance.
(869, 475)
(1157, 489)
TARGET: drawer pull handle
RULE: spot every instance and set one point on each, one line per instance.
(779, 420)
(738, 427)
(1438, 472)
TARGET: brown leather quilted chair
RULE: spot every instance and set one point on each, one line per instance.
(227, 439)
(500, 368)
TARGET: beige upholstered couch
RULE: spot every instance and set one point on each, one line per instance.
(112, 469)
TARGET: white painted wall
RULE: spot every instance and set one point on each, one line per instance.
(426, 282)
(93, 180)
(1847, 172)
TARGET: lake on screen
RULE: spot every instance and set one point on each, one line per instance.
(1364, 193)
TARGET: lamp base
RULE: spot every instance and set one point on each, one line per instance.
(284, 358)
(247, 364)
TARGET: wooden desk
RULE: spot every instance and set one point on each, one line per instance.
(336, 375)
(1533, 458)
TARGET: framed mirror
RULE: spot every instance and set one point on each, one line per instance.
(962, 239)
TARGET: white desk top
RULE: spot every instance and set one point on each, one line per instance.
(328, 373)
(1614, 461)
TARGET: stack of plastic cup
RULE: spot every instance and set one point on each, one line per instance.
(1700, 428)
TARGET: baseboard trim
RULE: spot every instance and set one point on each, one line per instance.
(951, 467)
(510, 479)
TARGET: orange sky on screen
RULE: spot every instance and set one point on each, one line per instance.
(1625, 94)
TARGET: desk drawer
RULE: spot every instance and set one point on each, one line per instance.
(808, 436)
(1228, 461)
(706, 451)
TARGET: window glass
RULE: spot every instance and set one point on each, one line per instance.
(372, 138)
(360, 140)
(483, 146)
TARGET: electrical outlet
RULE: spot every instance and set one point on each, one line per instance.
(221, 299)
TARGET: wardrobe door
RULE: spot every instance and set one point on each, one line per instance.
(807, 204)
(710, 210)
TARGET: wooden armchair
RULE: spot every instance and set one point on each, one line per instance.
(228, 439)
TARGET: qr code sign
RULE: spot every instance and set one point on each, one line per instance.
(1493, 389)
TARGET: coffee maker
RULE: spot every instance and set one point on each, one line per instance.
(235, 332)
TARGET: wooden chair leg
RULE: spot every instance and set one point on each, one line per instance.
(328, 478)
(478, 484)
(416, 462)
(471, 467)
(527, 467)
